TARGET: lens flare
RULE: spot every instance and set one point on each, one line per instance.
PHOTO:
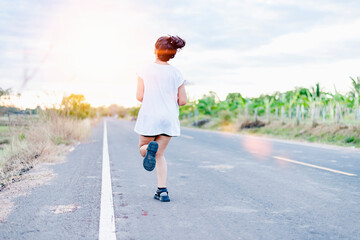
(260, 148)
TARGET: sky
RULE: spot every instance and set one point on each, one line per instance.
(52, 48)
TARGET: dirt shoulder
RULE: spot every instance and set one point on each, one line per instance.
(39, 175)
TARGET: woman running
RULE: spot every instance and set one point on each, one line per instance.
(161, 90)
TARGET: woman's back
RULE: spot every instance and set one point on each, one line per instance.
(159, 111)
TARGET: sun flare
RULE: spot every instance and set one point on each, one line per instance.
(96, 47)
(97, 53)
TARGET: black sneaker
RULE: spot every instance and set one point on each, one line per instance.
(162, 195)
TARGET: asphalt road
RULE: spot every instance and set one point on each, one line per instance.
(222, 186)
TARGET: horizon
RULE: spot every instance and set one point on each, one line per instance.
(17, 102)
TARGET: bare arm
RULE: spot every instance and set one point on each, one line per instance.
(140, 89)
(182, 98)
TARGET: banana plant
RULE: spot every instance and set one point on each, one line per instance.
(208, 104)
(355, 92)
(235, 101)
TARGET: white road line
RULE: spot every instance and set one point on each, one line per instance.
(186, 136)
(314, 166)
(107, 220)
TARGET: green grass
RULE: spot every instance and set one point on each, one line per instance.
(4, 129)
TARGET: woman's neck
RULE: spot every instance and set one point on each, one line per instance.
(158, 61)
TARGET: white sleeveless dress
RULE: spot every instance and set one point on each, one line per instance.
(159, 112)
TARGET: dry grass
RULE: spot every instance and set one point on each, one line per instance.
(64, 130)
(329, 133)
(40, 139)
(338, 134)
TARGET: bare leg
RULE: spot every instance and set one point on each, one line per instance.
(143, 149)
(143, 144)
(161, 171)
(161, 166)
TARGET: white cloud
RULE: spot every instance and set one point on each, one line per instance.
(319, 5)
(318, 41)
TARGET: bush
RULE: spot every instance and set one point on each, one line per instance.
(226, 116)
(134, 111)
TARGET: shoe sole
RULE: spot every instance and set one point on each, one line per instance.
(162, 198)
(149, 160)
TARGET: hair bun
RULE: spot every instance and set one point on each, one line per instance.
(177, 42)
